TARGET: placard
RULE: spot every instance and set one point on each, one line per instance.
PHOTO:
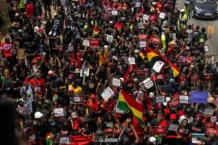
(160, 99)
(159, 130)
(210, 130)
(183, 99)
(167, 100)
(58, 112)
(76, 99)
(142, 37)
(86, 43)
(199, 97)
(141, 26)
(208, 77)
(114, 13)
(162, 15)
(208, 111)
(109, 38)
(148, 83)
(196, 137)
(107, 94)
(131, 60)
(206, 48)
(145, 17)
(138, 4)
(94, 42)
(173, 103)
(173, 127)
(158, 66)
(70, 48)
(116, 82)
(139, 73)
(64, 140)
(142, 44)
(86, 72)
(174, 37)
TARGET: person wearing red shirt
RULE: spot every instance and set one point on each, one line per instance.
(29, 9)
(119, 25)
(108, 105)
(38, 84)
(92, 103)
(75, 121)
(6, 48)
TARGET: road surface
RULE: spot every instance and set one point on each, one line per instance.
(213, 41)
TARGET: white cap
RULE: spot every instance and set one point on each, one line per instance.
(38, 115)
(122, 79)
(151, 94)
(135, 79)
(154, 3)
(182, 10)
(136, 51)
(74, 115)
(55, 14)
(152, 140)
(105, 47)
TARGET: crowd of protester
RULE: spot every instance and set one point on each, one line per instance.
(67, 58)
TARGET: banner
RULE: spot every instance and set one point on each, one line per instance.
(199, 97)
(107, 94)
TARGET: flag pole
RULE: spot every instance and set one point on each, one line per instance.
(154, 82)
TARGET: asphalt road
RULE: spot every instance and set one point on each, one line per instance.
(213, 41)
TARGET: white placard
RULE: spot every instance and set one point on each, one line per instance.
(208, 111)
(86, 72)
(64, 140)
(107, 94)
(148, 83)
(58, 112)
(183, 99)
(162, 15)
(142, 44)
(114, 13)
(158, 66)
(167, 100)
(206, 48)
(119, 111)
(145, 17)
(109, 38)
(86, 43)
(173, 127)
(160, 99)
(141, 26)
(174, 37)
(76, 99)
(131, 60)
(138, 4)
(116, 82)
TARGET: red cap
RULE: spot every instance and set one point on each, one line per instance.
(92, 96)
(173, 116)
(166, 111)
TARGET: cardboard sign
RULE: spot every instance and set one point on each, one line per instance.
(131, 60)
(142, 44)
(145, 17)
(208, 111)
(138, 4)
(64, 140)
(109, 38)
(183, 99)
(208, 77)
(199, 97)
(158, 66)
(173, 127)
(173, 103)
(206, 48)
(97, 137)
(140, 73)
(160, 99)
(114, 13)
(210, 29)
(21, 54)
(107, 94)
(211, 130)
(86, 43)
(162, 15)
(196, 136)
(148, 83)
(141, 26)
(76, 99)
(84, 72)
(167, 100)
(159, 130)
(94, 42)
(58, 112)
(116, 82)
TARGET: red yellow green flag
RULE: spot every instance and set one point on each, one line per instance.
(95, 30)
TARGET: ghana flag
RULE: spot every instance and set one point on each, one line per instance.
(126, 102)
(154, 56)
